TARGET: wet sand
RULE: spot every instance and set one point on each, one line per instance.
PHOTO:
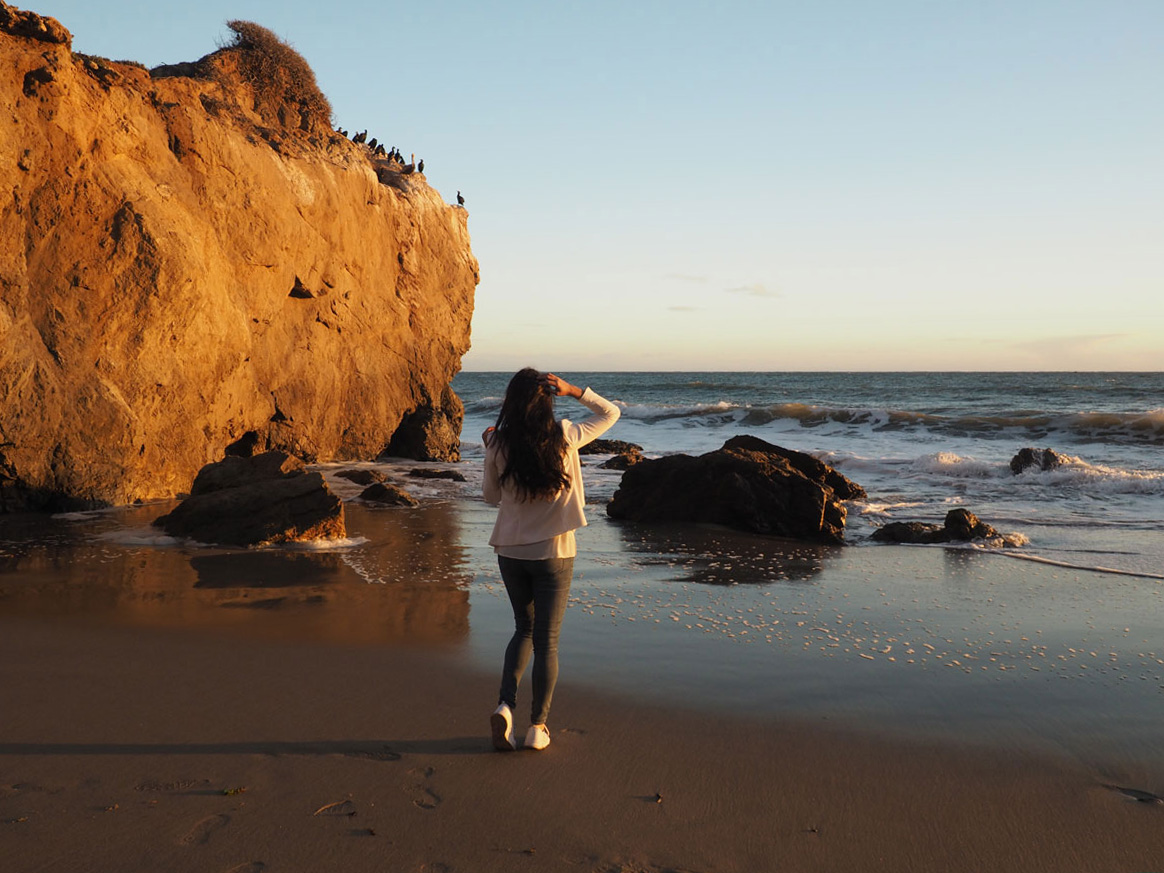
(726, 704)
(137, 749)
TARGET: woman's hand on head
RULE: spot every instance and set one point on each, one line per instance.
(487, 435)
(559, 386)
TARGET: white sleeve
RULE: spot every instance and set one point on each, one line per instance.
(605, 414)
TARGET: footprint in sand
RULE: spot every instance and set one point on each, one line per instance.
(248, 867)
(422, 795)
(201, 833)
(383, 754)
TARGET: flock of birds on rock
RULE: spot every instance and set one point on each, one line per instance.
(393, 154)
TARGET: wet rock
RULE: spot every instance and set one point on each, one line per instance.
(1039, 459)
(622, 461)
(910, 532)
(361, 477)
(609, 447)
(269, 498)
(235, 471)
(747, 484)
(388, 494)
(425, 473)
(961, 525)
(843, 487)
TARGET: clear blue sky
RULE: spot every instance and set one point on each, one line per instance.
(884, 184)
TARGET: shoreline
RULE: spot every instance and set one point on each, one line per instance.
(948, 645)
(140, 749)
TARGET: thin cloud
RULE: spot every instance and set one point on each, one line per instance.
(756, 289)
(1068, 345)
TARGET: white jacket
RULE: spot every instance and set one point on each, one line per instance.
(522, 521)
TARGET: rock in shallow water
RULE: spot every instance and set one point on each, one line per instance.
(1039, 459)
(269, 498)
(388, 494)
(609, 447)
(748, 484)
(961, 526)
(622, 461)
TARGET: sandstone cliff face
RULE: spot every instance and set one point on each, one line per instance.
(178, 275)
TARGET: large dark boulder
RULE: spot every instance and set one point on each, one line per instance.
(268, 498)
(843, 488)
(747, 484)
(961, 525)
(1039, 459)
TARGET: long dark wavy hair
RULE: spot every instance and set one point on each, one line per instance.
(531, 439)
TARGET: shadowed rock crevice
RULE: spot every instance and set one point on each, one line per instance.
(431, 432)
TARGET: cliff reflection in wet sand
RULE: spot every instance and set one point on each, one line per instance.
(403, 580)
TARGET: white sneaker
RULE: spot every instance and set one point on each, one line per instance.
(501, 723)
(536, 738)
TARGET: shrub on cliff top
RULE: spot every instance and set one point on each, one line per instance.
(281, 78)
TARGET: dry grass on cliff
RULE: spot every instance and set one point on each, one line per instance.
(284, 83)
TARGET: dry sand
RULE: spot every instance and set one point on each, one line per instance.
(136, 749)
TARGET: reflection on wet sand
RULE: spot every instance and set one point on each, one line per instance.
(712, 555)
(404, 578)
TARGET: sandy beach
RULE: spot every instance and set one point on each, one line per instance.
(727, 703)
(132, 749)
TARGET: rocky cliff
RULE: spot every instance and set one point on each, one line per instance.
(190, 263)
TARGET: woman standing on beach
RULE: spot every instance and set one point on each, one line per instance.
(534, 477)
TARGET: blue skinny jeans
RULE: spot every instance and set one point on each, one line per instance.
(538, 592)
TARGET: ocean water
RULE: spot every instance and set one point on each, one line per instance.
(920, 444)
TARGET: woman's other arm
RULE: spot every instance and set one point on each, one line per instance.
(491, 487)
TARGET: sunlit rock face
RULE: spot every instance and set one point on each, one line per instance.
(185, 267)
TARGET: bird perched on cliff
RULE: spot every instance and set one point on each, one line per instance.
(360, 137)
(408, 168)
(460, 199)
(380, 150)
(372, 143)
(420, 166)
